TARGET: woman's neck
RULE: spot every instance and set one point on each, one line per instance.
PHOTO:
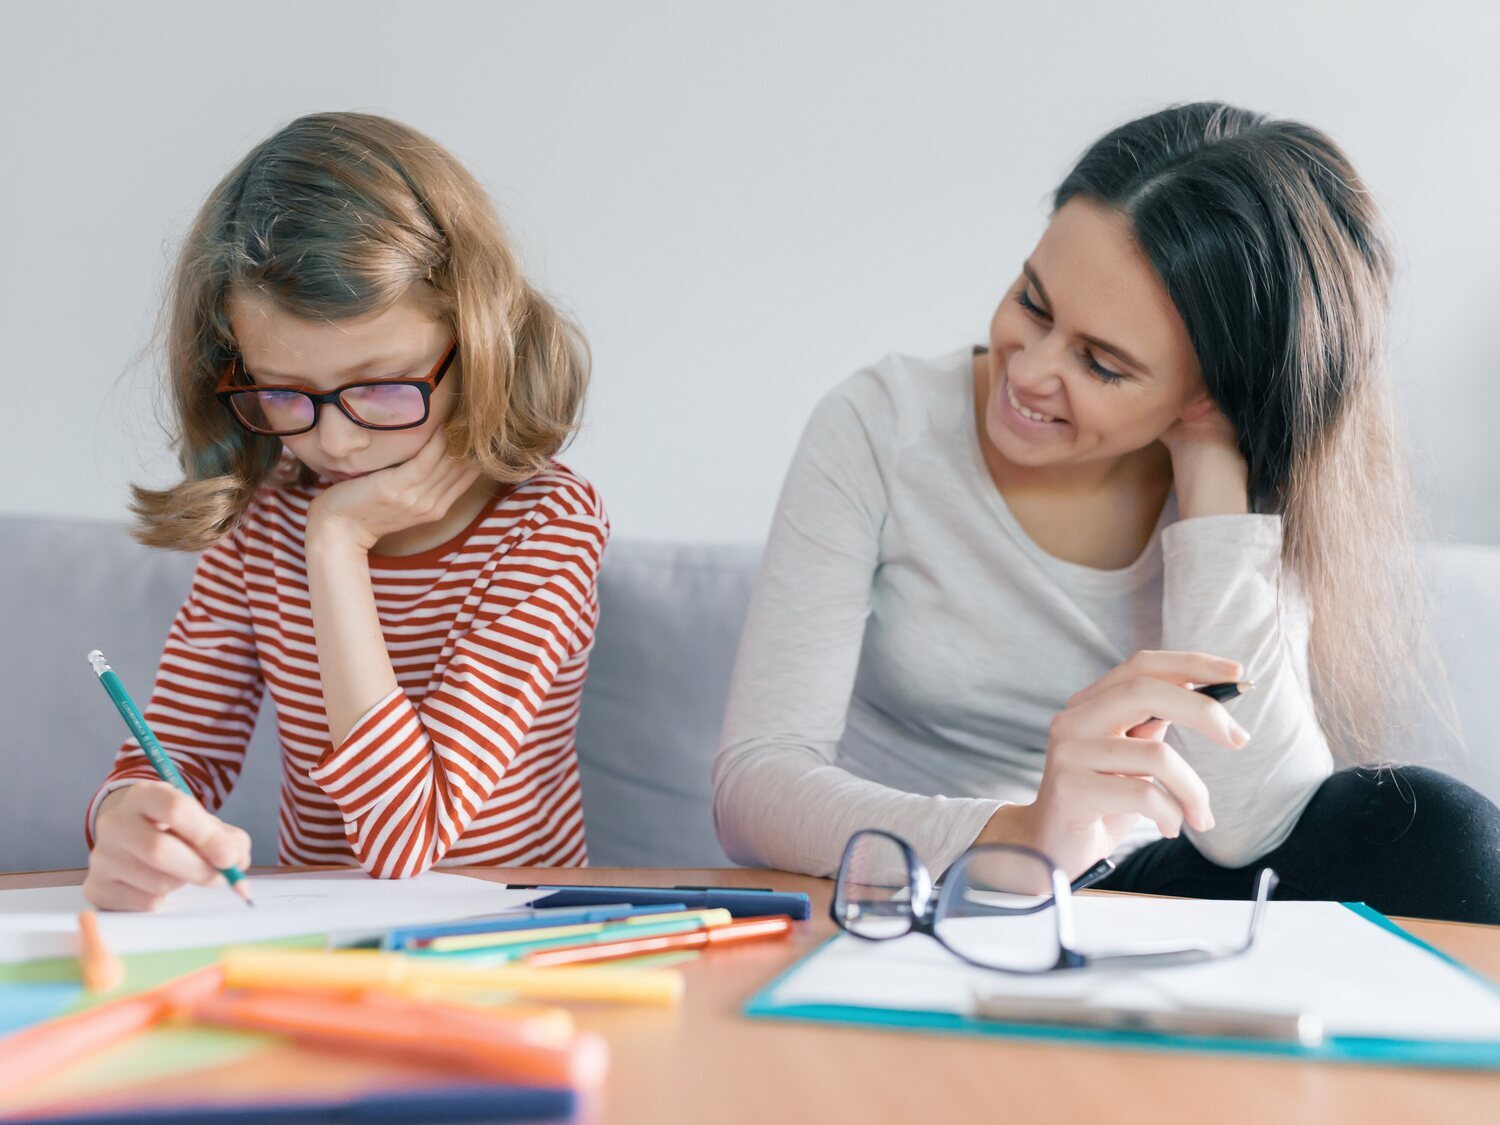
(1099, 514)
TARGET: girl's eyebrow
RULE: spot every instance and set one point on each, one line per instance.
(357, 369)
(1103, 345)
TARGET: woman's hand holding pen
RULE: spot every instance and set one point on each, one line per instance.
(363, 510)
(150, 839)
(1106, 764)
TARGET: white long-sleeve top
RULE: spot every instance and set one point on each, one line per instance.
(908, 644)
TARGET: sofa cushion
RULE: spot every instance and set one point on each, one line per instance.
(670, 617)
(652, 705)
(669, 625)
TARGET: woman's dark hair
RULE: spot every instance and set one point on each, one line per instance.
(1278, 261)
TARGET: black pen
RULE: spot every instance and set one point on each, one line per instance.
(1224, 692)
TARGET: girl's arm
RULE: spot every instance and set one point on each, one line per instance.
(208, 686)
(408, 779)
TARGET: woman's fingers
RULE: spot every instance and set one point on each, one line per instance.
(1171, 667)
(1130, 703)
(1113, 796)
(1145, 758)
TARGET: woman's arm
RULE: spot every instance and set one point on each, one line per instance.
(779, 801)
(1224, 592)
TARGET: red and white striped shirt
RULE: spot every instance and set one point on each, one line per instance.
(471, 760)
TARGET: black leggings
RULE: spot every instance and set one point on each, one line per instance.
(1407, 841)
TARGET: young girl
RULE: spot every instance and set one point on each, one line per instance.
(368, 398)
(1179, 444)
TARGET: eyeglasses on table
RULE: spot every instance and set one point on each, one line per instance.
(884, 891)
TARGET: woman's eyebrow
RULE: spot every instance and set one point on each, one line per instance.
(1103, 345)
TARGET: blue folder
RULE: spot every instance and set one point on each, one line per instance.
(1479, 1055)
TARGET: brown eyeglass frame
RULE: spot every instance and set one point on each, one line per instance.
(226, 390)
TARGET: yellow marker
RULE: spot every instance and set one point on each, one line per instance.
(358, 969)
(455, 942)
(705, 918)
(103, 971)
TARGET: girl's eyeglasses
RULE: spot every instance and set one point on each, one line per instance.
(375, 404)
(1001, 907)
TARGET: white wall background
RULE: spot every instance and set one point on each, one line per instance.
(741, 203)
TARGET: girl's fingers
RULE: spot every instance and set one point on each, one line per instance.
(163, 854)
(241, 847)
(1150, 759)
(111, 894)
(120, 865)
(1127, 705)
(410, 474)
(189, 824)
(460, 484)
(1172, 667)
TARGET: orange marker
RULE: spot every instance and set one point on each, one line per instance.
(35, 1052)
(510, 1050)
(103, 971)
(748, 929)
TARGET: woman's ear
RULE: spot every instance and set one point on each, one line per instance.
(1198, 407)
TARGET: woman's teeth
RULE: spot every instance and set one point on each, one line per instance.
(1022, 411)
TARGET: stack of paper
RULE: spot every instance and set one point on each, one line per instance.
(1350, 967)
(43, 922)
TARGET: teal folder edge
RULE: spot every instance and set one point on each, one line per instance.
(1483, 1055)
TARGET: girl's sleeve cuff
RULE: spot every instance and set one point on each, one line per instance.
(356, 773)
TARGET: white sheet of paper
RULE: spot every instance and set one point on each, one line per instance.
(43, 922)
(1316, 957)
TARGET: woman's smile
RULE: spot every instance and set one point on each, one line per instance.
(1023, 419)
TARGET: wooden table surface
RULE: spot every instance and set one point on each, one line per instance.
(707, 1064)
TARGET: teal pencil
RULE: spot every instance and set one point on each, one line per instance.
(154, 752)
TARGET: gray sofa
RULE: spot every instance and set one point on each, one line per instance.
(670, 618)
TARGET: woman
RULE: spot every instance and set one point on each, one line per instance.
(1178, 444)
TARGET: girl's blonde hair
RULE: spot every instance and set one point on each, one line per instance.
(338, 215)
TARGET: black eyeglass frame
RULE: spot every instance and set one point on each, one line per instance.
(924, 912)
(227, 390)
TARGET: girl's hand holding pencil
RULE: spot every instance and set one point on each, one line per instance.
(156, 836)
(150, 839)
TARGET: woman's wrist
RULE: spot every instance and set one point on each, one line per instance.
(1010, 824)
(1211, 480)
